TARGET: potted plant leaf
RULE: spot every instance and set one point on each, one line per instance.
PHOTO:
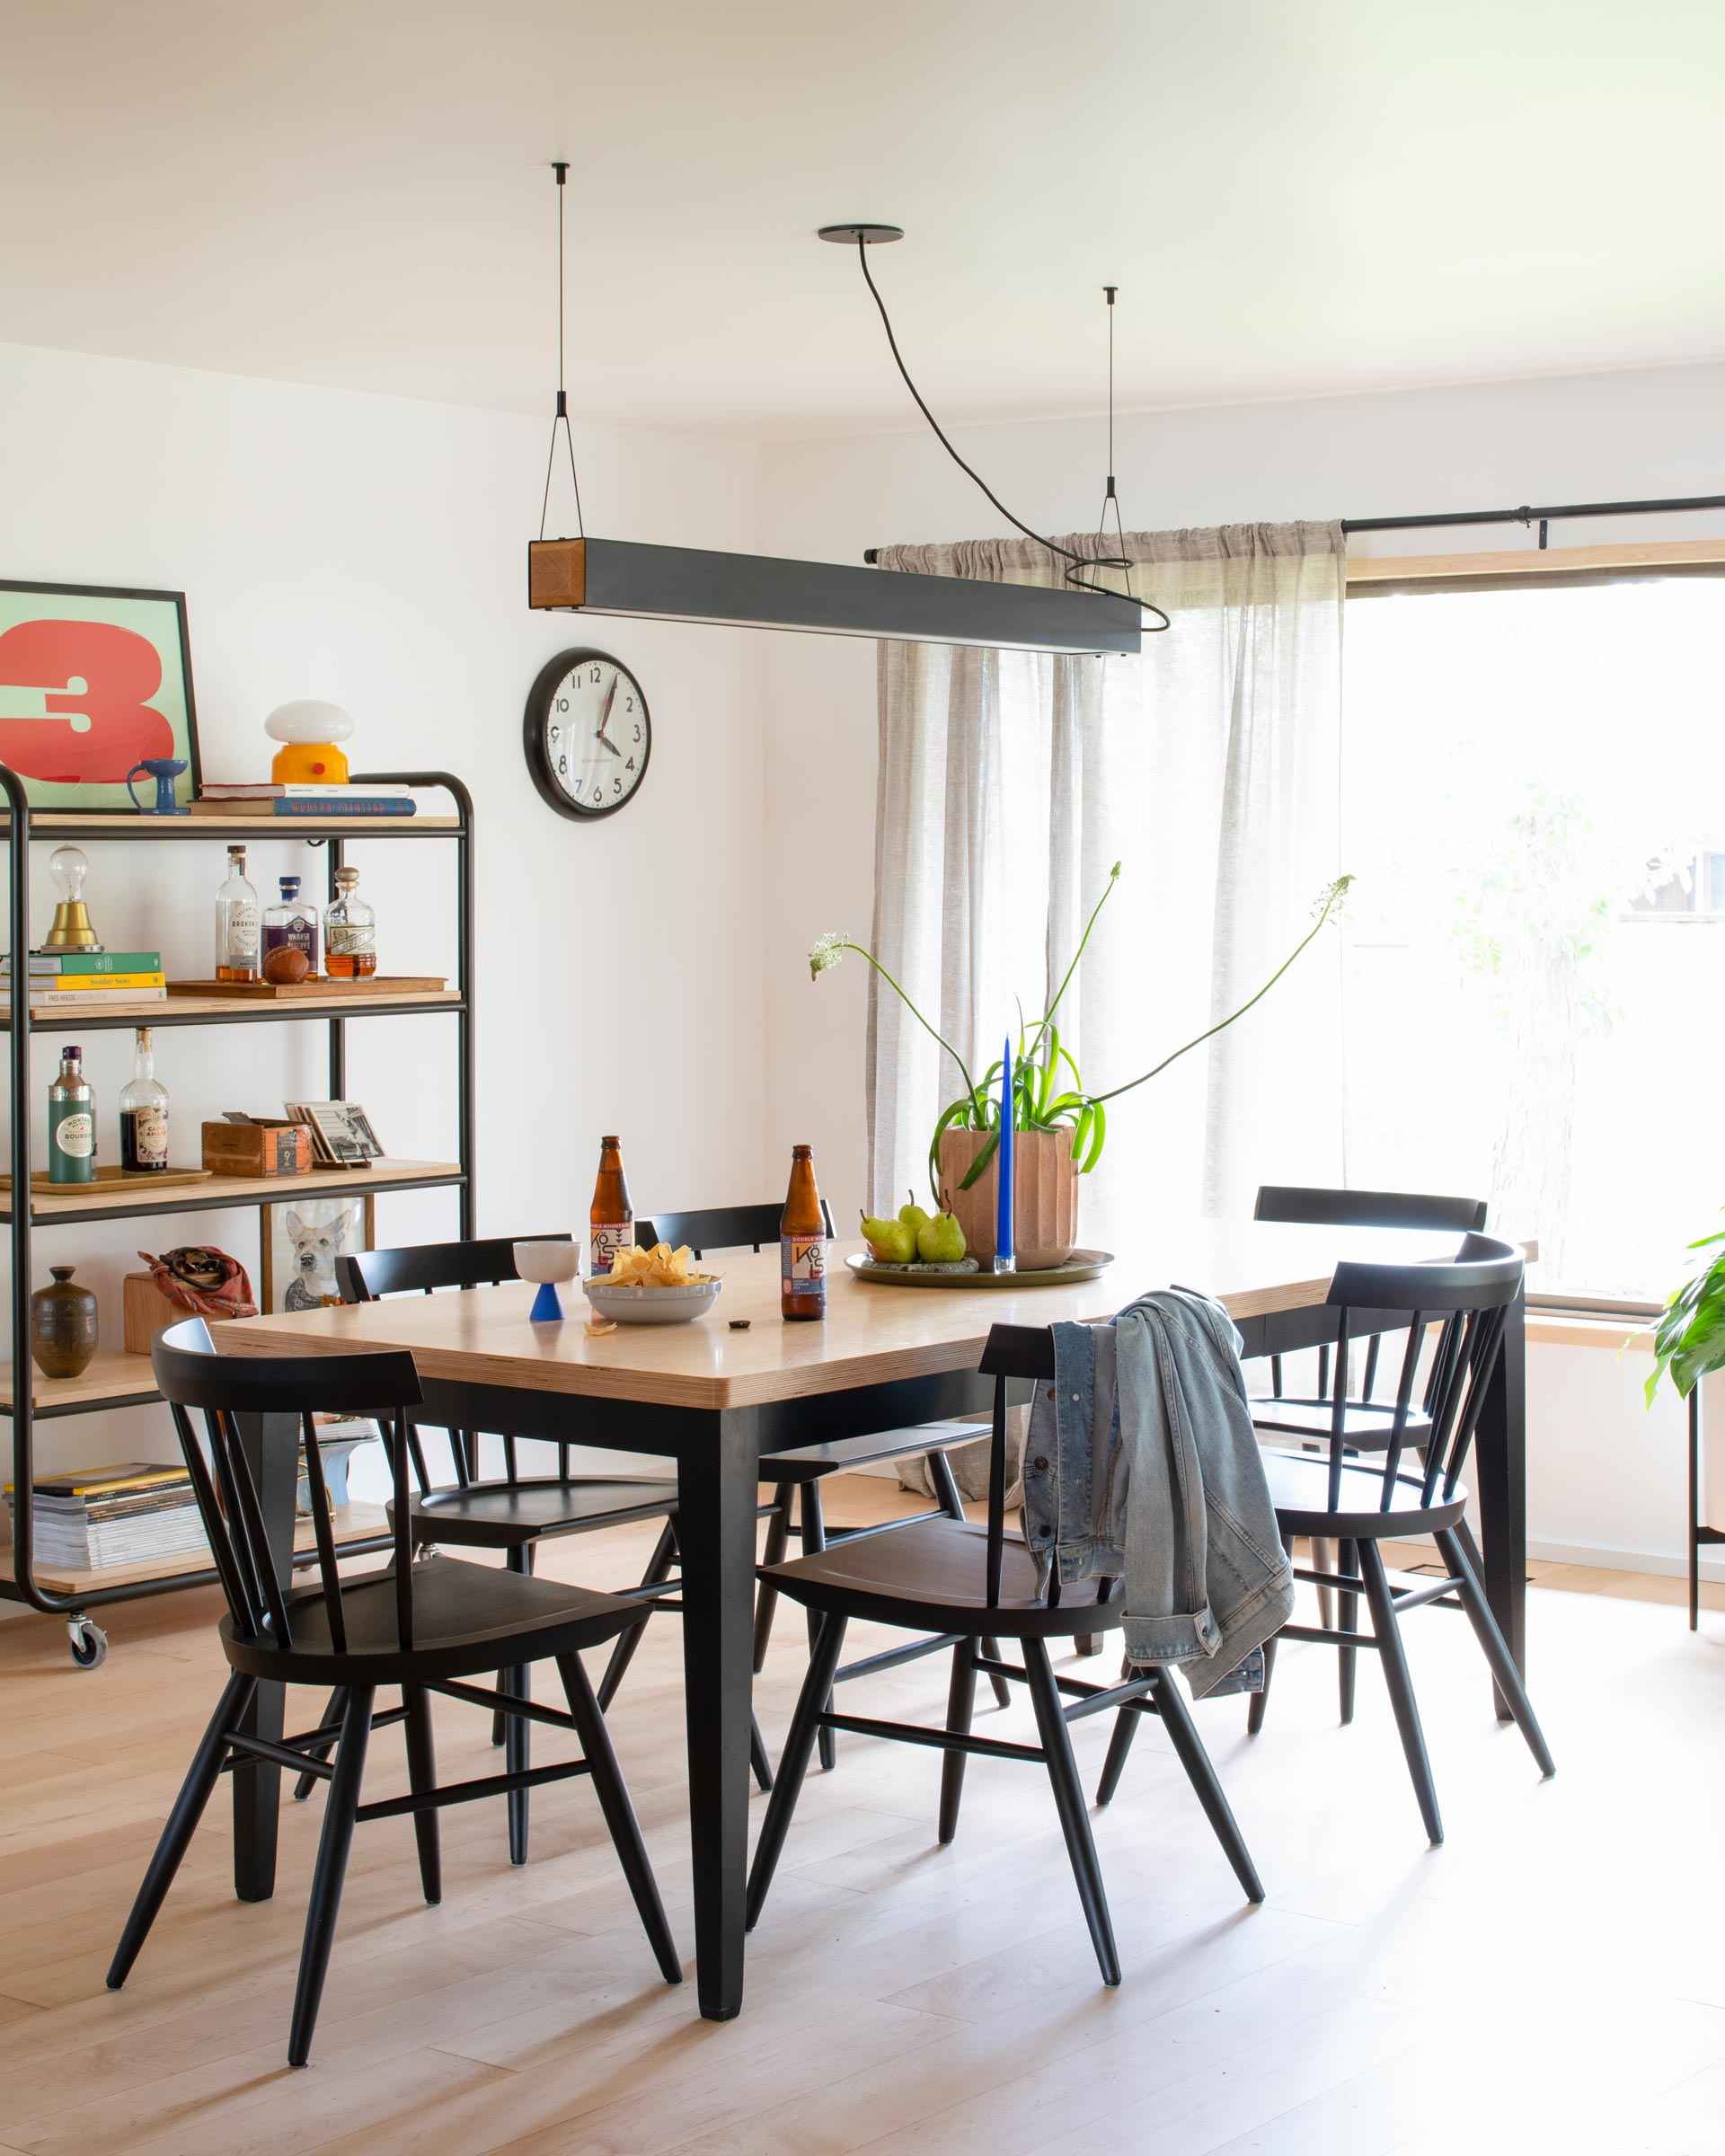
(1689, 1339)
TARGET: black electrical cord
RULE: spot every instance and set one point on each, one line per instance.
(560, 417)
(1078, 562)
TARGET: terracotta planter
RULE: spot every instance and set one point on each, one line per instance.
(1045, 1196)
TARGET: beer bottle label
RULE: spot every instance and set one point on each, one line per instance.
(802, 1264)
(76, 1135)
(605, 1242)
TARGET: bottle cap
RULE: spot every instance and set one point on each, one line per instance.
(289, 887)
(71, 1054)
(802, 1153)
(610, 1141)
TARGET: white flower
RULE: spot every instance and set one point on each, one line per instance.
(826, 952)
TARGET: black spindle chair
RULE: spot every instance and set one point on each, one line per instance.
(1340, 1499)
(512, 1512)
(969, 1583)
(425, 1627)
(802, 1470)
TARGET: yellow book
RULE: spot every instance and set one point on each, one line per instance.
(81, 984)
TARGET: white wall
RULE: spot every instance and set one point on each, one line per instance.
(374, 551)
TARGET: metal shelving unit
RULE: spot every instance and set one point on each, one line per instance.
(114, 1379)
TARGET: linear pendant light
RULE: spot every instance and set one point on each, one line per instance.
(762, 591)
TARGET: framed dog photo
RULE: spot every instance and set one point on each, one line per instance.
(301, 1241)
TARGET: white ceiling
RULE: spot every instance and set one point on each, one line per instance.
(1295, 196)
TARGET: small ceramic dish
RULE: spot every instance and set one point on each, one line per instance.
(549, 1264)
(653, 1305)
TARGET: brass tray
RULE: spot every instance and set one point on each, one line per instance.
(1082, 1264)
(318, 984)
(109, 1179)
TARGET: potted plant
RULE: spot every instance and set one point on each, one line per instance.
(1689, 1339)
(1059, 1126)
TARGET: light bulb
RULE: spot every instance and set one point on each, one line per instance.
(69, 866)
(309, 719)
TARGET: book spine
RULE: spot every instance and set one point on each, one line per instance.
(93, 984)
(102, 962)
(87, 999)
(370, 804)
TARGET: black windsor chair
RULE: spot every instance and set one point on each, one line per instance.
(514, 1513)
(802, 1470)
(425, 1627)
(1339, 1499)
(969, 1583)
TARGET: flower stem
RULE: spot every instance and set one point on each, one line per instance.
(914, 1012)
(1114, 877)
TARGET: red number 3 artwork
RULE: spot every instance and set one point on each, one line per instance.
(99, 721)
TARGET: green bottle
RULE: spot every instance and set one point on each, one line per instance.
(71, 1123)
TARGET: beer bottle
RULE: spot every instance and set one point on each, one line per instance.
(611, 1220)
(802, 1242)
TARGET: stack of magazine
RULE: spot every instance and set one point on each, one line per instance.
(98, 1517)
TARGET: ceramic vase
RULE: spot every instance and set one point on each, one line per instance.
(1045, 1196)
(62, 1325)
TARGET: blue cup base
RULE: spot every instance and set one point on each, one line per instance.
(547, 1304)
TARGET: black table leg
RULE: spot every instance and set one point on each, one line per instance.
(717, 1469)
(1502, 1469)
(257, 1787)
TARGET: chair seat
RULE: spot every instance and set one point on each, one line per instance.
(932, 1577)
(1367, 1425)
(466, 1618)
(500, 1516)
(1299, 1488)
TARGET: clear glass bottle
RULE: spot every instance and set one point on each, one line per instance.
(238, 925)
(71, 1123)
(144, 1113)
(350, 931)
(291, 924)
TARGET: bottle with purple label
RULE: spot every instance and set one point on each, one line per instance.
(291, 924)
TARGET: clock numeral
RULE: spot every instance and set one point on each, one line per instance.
(594, 675)
(616, 785)
(630, 766)
(637, 733)
(562, 704)
(628, 703)
(599, 793)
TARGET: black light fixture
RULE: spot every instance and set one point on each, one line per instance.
(691, 584)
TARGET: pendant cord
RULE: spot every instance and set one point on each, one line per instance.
(560, 417)
(1078, 562)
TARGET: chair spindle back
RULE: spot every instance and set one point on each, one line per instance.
(720, 1227)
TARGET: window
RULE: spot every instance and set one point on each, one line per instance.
(1533, 800)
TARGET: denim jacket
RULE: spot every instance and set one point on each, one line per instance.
(1141, 1462)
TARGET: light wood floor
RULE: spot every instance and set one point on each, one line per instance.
(1552, 1980)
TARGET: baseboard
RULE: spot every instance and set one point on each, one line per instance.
(1712, 1565)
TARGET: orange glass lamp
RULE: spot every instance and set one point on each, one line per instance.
(310, 731)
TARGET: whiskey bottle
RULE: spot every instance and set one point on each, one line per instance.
(611, 1220)
(291, 924)
(350, 931)
(71, 1123)
(802, 1242)
(238, 928)
(144, 1113)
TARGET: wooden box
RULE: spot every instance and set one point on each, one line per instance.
(145, 1309)
(258, 1148)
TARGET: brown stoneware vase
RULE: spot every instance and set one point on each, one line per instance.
(62, 1325)
(1045, 1196)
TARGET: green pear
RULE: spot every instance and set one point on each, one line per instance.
(889, 1241)
(914, 1216)
(940, 1241)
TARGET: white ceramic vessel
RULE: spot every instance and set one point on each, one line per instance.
(652, 1305)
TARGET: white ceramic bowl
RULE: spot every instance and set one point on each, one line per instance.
(543, 1261)
(652, 1305)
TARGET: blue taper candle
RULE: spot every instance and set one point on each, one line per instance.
(1004, 1261)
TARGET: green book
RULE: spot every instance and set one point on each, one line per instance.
(90, 962)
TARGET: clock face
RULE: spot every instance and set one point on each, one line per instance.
(588, 735)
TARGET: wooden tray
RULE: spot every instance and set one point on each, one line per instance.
(1082, 1264)
(274, 992)
(109, 1181)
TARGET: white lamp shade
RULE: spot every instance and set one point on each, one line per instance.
(308, 719)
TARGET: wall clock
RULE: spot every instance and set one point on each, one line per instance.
(586, 734)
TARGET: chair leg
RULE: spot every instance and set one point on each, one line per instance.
(195, 1792)
(619, 1814)
(1496, 1651)
(422, 1775)
(1392, 1654)
(331, 1723)
(1069, 1802)
(1126, 1728)
(944, 1484)
(1323, 1560)
(960, 1701)
(1183, 1734)
(1260, 1704)
(793, 1762)
(813, 1523)
(1346, 1621)
(659, 1567)
(517, 1744)
(767, 1598)
(757, 1757)
(341, 1803)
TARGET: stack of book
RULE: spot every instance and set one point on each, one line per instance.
(64, 980)
(264, 798)
(99, 1516)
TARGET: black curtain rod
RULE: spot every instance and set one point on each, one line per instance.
(1523, 515)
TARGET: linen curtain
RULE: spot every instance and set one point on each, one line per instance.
(1008, 786)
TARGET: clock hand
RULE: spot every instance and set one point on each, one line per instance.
(605, 742)
(604, 716)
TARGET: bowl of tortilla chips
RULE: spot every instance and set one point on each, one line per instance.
(657, 1287)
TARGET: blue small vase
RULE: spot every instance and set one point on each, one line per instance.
(547, 1304)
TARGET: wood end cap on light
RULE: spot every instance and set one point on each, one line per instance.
(556, 572)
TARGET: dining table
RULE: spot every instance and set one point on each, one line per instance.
(717, 1397)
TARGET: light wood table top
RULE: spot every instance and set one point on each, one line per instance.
(872, 1333)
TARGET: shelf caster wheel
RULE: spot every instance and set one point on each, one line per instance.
(88, 1642)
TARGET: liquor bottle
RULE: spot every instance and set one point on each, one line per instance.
(611, 1219)
(802, 1242)
(291, 924)
(144, 1113)
(350, 931)
(71, 1123)
(238, 929)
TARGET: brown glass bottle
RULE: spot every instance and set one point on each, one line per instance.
(611, 1218)
(802, 1242)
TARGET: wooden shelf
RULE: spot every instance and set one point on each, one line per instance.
(236, 1190)
(353, 1523)
(55, 823)
(109, 1375)
(225, 1009)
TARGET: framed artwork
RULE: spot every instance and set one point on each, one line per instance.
(302, 1238)
(341, 1132)
(92, 681)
